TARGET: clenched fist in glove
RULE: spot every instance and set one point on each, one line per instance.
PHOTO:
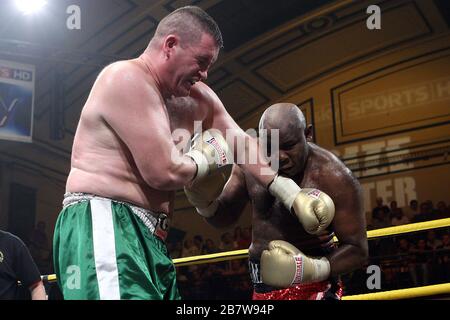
(313, 208)
(210, 152)
(214, 161)
(283, 265)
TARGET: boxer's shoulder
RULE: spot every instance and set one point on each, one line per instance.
(207, 102)
(200, 95)
(125, 74)
(205, 96)
(201, 91)
(118, 68)
(329, 170)
(327, 162)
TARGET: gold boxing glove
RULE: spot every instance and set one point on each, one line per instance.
(313, 208)
(210, 152)
(283, 265)
(214, 160)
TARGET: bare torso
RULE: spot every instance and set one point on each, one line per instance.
(272, 221)
(103, 165)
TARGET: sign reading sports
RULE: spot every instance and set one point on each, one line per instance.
(16, 101)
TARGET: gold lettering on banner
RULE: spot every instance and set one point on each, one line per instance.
(396, 99)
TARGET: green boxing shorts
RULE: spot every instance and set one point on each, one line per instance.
(110, 250)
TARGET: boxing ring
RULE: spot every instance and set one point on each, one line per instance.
(409, 293)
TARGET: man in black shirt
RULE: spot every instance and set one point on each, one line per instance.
(16, 264)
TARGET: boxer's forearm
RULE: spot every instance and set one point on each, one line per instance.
(175, 175)
(255, 164)
(347, 258)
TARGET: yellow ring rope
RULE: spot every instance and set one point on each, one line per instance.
(409, 293)
(407, 228)
(383, 232)
(210, 258)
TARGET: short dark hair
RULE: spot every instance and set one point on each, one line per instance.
(189, 22)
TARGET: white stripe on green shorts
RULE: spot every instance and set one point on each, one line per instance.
(105, 249)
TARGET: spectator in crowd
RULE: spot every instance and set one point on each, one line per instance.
(432, 241)
(246, 239)
(176, 249)
(405, 265)
(442, 210)
(425, 213)
(434, 211)
(198, 243)
(237, 236)
(226, 242)
(189, 249)
(397, 216)
(380, 215)
(403, 248)
(209, 247)
(385, 246)
(16, 264)
(443, 257)
(393, 208)
(412, 210)
(422, 262)
(381, 218)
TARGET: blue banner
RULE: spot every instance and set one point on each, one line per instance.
(16, 101)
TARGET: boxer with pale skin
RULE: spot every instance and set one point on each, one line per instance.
(286, 261)
(126, 166)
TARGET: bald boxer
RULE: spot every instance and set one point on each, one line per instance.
(286, 261)
(126, 165)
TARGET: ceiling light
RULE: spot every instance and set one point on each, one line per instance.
(30, 6)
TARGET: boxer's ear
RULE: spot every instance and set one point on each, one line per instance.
(309, 133)
(169, 43)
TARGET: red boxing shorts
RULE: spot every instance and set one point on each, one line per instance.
(311, 291)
